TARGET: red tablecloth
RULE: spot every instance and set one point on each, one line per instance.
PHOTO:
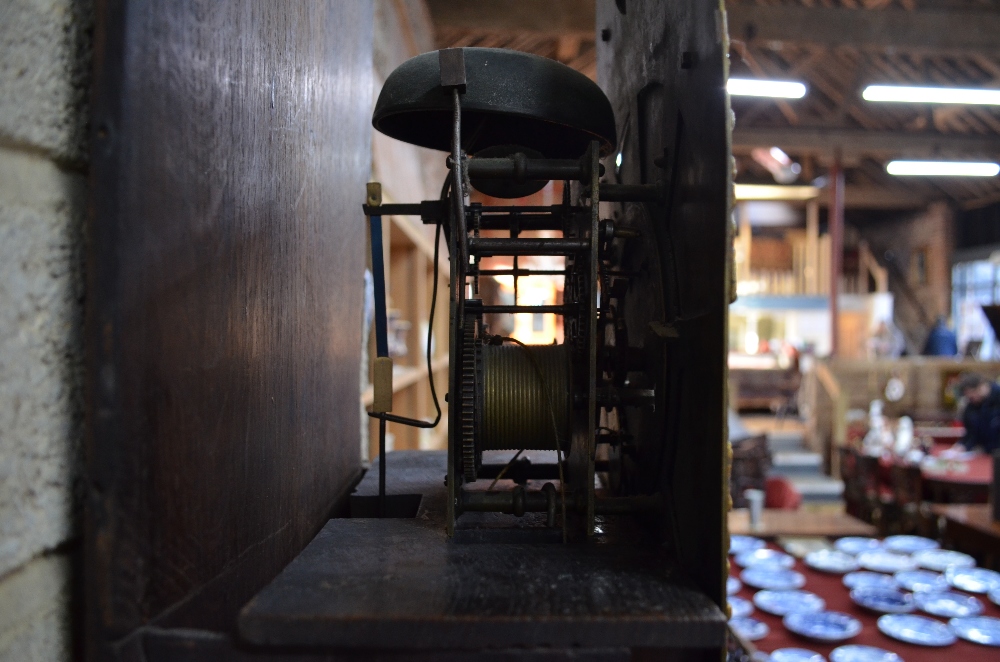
(979, 469)
(831, 588)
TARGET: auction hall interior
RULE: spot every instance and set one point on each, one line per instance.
(496, 330)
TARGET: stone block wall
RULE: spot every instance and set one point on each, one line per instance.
(45, 68)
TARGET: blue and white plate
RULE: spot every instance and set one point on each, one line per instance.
(830, 560)
(749, 628)
(760, 656)
(740, 544)
(921, 580)
(908, 544)
(888, 562)
(857, 544)
(733, 586)
(796, 655)
(948, 604)
(782, 603)
(856, 653)
(871, 579)
(740, 607)
(774, 579)
(973, 580)
(942, 559)
(995, 596)
(914, 629)
(823, 625)
(883, 600)
(983, 630)
(770, 558)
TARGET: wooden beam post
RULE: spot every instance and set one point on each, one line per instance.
(836, 222)
(812, 247)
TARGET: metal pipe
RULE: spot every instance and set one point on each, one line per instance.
(564, 309)
(520, 169)
(521, 273)
(631, 193)
(486, 247)
(529, 222)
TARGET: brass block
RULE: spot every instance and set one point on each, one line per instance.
(382, 383)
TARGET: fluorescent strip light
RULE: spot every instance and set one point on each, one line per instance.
(943, 168)
(755, 87)
(769, 192)
(905, 94)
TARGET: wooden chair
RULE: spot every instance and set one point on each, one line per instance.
(751, 462)
(911, 511)
(862, 496)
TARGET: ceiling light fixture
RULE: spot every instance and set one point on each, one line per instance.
(756, 87)
(909, 94)
(769, 192)
(942, 169)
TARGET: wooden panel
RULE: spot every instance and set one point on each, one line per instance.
(663, 67)
(226, 254)
(770, 253)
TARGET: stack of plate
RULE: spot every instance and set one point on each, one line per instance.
(774, 579)
(833, 561)
(940, 560)
(886, 561)
(948, 604)
(909, 544)
(983, 630)
(973, 580)
(826, 626)
(869, 579)
(921, 580)
(770, 558)
(854, 545)
(913, 629)
(782, 603)
(883, 600)
(740, 544)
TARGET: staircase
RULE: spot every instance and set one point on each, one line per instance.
(790, 458)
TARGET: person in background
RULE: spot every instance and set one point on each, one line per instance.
(982, 413)
(941, 341)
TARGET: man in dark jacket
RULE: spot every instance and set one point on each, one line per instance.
(982, 413)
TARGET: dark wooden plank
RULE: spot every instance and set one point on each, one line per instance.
(373, 584)
(663, 65)
(202, 646)
(226, 253)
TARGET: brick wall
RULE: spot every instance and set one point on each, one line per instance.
(44, 83)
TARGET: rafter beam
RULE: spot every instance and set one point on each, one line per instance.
(924, 30)
(858, 142)
(555, 17)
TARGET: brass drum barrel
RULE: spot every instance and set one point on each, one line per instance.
(525, 397)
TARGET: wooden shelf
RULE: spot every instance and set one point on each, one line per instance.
(416, 237)
(406, 376)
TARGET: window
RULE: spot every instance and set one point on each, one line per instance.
(972, 285)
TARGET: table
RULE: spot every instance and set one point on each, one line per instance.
(798, 523)
(832, 590)
(971, 529)
(950, 486)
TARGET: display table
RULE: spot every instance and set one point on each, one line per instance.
(831, 589)
(798, 523)
(971, 529)
(964, 481)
